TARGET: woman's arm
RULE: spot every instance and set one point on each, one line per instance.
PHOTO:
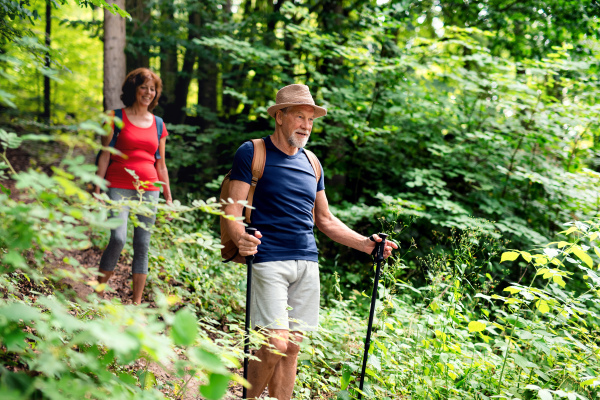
(163, 173)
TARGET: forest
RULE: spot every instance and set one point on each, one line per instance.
(467, 130)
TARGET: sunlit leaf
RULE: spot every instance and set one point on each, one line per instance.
(542, 305)
(583, 256)
(526, 256)
(476, 326)
(509, 256)
(558, 280)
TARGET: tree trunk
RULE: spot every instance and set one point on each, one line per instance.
(47, 103)
(114, 57)
(137, 55)
(184, 77)
(168, 63)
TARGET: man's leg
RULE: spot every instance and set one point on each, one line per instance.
(281, 384)
(260, 372)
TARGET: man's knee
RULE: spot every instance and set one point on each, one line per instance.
(293, 344)
(279, 341)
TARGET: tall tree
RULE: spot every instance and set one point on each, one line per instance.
(138, 48)
(46, 115)
(114, 57)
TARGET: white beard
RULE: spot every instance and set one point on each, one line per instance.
(295, 141)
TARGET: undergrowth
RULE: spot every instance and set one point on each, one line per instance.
(466, 334)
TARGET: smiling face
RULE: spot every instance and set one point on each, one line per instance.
(145, 93)
(296, 124)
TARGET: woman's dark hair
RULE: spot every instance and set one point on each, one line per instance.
(136, 78)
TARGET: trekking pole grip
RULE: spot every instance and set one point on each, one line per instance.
(380, 247)
(251, 232)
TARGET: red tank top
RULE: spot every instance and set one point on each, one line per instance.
(139, 147)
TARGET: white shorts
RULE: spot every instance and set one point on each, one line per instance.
(285, 295)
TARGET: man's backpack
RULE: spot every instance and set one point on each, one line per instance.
(230, 251)
(117, 130)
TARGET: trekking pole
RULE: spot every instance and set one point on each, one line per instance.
(379, 247)
(249, 260)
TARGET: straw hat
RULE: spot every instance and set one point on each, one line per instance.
(295, 95)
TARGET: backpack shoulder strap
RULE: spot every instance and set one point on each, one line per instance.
(258, 167)
(116, 130)
(159, 131)
(316, 166)
(314, 162)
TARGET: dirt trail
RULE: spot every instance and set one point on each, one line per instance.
(120, 288)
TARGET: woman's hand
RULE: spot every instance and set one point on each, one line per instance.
(98, 191)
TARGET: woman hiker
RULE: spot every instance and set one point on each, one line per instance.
(144, 153)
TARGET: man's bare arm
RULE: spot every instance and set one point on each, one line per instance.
(337, 231)
(238, 190)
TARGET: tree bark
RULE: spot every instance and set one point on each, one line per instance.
(114, 57)
(47, 103)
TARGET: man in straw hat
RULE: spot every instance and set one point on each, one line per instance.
(285, 277)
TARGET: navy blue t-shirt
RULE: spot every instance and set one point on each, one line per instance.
(283, 201)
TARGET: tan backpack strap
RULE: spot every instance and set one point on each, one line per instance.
(314, 162)
(258, 167)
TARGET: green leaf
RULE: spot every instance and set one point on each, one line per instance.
(526, 256)
(15, 340)
(147, 379)
(346, 374)
(343, 395)
(4, 189)
(512, 289)
(545, 394)
(9, 139)
(127, 378)
(558, 280)
(522, 361)
(583, 256)
(509, 256)
(570, 230)
(208, 361)
(216, 388)
(476, 326)
(185, 328)
(18, 311)
(15, 259)
(542, 305)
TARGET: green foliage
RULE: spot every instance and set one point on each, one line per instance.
(438, 112)
(457, 339)
(57, 344)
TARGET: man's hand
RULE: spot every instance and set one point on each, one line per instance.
(248, 244)
(387, 251)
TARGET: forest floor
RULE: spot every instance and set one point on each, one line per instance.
(119, 289)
